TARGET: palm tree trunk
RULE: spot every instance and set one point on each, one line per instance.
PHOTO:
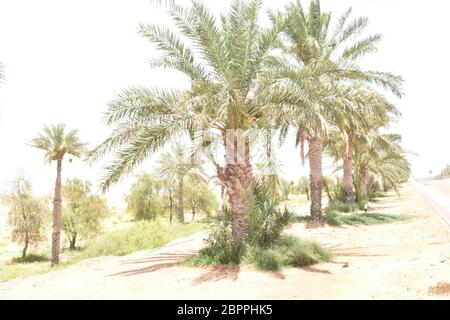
(349, 194)
(170, 205)
(238, 179)
(180, 200)
(364, 183)
(316, 183)
(56, 234)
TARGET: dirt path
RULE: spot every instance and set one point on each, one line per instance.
(400, 260)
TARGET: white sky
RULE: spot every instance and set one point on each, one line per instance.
(65, 60)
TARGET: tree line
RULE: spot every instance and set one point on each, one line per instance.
(300, 76)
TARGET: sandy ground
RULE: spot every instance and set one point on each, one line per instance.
(404, 260)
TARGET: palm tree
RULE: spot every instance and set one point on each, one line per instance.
(56, 143)
(222, 58)
(177, 166)
(371, 111)
(380, 160)
(309, 45)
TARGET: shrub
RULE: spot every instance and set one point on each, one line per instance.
(287, 251)
(333, 189)
(265, 221)
(267, 260)
(220, 248)
(307, 253)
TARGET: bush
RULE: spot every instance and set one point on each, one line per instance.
(287, 251)
(307, 253)
(333, 189)
(267, 260)
(220, 248)
(264, 220)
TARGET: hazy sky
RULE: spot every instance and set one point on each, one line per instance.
(65, 60)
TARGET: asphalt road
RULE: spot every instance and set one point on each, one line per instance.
(439, 200)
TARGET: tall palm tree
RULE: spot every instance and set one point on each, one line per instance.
(175, 167)
(222, 58)
(308, 45)
(56, 143)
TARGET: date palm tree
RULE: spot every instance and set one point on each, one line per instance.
(222, 58)
(371, 111)
(175, 167)
(56, 143)
(379, 159)
(310, 44)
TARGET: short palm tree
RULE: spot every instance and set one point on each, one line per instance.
(370, 111)
(309, 45)
(222, 58)
(175, 167)
(56, 143)
(380, 159)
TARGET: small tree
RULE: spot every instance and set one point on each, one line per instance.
(145, 201)
(83, 213)
(200, 198)
(27, 214)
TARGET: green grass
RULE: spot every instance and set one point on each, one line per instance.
(335, 219)
(140, 235)
(364, 219)
(286, 252)
(344, 207)
(11, 271)
(30, 258)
